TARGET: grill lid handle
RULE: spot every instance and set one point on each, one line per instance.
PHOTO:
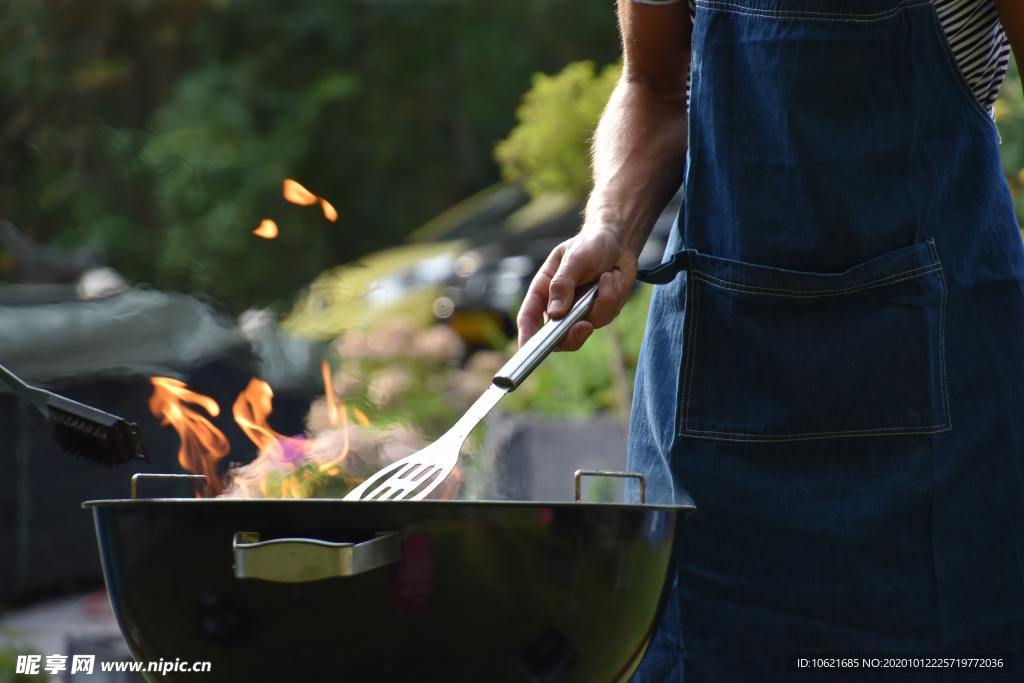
(300, 560)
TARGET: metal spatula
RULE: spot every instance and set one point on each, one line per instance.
(415, 476)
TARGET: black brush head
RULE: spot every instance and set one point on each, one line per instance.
(92, 434)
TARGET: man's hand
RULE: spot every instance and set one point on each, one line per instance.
(593, 255)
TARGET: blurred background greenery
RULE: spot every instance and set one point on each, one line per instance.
(1009, 113)
(159, 130)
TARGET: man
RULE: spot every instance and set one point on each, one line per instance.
(833, 367)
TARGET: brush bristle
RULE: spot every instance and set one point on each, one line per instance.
(93, 434)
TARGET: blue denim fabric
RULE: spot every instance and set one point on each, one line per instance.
(835, 374)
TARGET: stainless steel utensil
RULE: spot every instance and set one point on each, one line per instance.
(415, 476)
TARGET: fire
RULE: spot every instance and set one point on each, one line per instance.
(329, 461)
(329, 396)
(251, 410)
(330, 213)
(267, 229)
(335, 413)
(295, 193)
(331, 465)
(202, 444)
(360, 417)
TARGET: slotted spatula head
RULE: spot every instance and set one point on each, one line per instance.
(415, 476)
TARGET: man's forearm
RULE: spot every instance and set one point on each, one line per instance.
(639, 153)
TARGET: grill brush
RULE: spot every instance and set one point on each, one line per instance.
(79, 429)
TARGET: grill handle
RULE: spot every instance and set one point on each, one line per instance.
(579, 474)
(146, 476)
(300, 560)
(543, 343)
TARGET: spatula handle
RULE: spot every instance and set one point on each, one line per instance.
(544, 342)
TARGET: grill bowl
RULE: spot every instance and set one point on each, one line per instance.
(477, 591)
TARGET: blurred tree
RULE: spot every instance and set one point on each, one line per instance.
(159, 130)
(549, 150)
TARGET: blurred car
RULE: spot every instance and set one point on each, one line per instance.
(404, 280)
(489, 280)
(490, 276)
(469, 267)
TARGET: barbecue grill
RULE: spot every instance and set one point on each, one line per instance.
(331, 590)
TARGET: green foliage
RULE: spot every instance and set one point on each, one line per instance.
(8, 665)
(1010, 117)
(220, 149)
(588, 381)
(160, 132)
(548, 151)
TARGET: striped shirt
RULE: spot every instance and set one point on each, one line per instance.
(979, 44)
(975, 37)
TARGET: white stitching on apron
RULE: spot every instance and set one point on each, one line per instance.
(733, 8)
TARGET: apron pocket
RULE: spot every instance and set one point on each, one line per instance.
(781, 355)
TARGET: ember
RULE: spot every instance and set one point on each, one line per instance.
(330, 213)
(267, 229)
(296, 193)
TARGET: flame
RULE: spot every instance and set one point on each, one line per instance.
(291, 489)
(330, 213)
(251, 410)
(360, 417)
(202, 444)
(267, 229)
(329, 395)
(337, 413)
(332, 464)
(295, 193)
(286, 466)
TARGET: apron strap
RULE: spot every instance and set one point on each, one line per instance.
(665, 272)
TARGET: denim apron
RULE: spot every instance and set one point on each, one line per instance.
(833, 366)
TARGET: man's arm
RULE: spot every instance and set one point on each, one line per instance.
(639, 152)
(1011, 13)
(640, 144)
